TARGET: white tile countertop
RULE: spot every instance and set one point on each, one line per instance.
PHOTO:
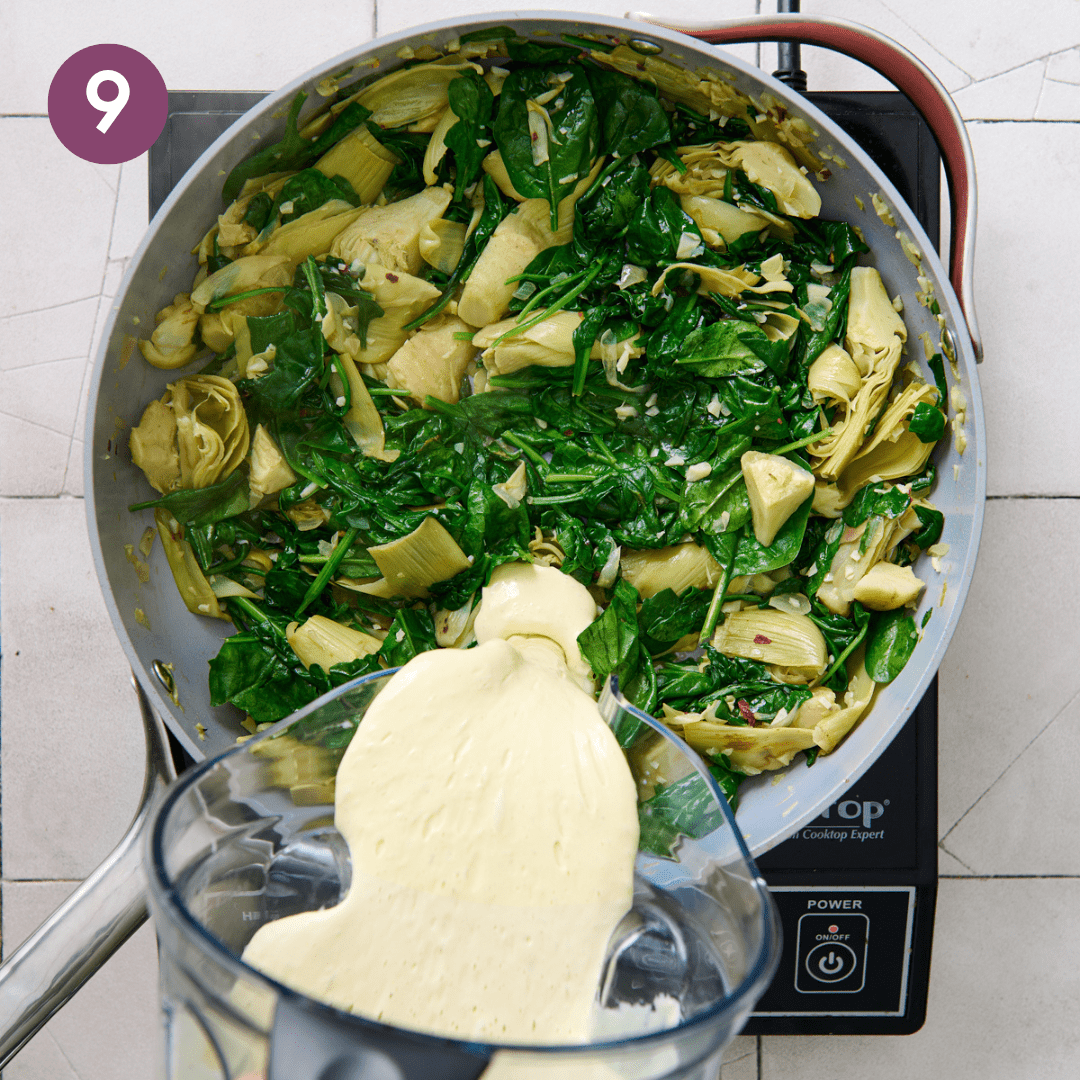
(1005, 983)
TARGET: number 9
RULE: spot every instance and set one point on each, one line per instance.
(110, 109)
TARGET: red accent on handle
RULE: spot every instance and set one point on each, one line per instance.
(906, 77)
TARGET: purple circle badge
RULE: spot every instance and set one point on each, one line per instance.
(108, 104)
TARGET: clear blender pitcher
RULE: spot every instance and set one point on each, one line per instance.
(249, 837)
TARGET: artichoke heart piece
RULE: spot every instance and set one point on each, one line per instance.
(390, 235)
(856, 554)
(828, 501)
(875, 340)
(767, 164)
(339, 322)
(412, 563)
(325, 642)
(432, 362)
(308, 772)
(153, 447)
(442, 244)
(702, 91)
(270, 472)
(194, 436)
(726, 221)
(219, 329)
(820, 705)
(232, 231)
(833, 377)
(225, 587)
(311, 233)
(886, 586)
(415, 96)
(514, 489)
(495, 167)
(516, 241)
(712, 279)
(677, 568)
(872, 320)
(791, 643)
(244, 274)
(779, 326)
(656, 762)
(776, 488)
(436, 147)
(363, 421)
(752, 750)
(308, 515)
(893, 450)
(773, 167)
(191, 582)
(172, 344)
(402, 297)
(454, 629)
(547, 344)
(831, 729)
(212, 432)
(705, 179)
(362, 160)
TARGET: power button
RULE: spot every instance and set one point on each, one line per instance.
(830, 962)
(831, 952)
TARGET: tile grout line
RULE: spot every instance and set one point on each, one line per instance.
(97, 320)
(930, 45)
(952, 855)
(1042, 89)
(60, 1050)
(40, 498)
(41, 881)
(42, 427)
(1008, 877)
(1038, 735)
(1009, 70)
(53, 307)
(41, 364)
(1033, 120)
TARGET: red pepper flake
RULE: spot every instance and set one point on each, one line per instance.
(747, 712)
(761, 639)
(392, 277)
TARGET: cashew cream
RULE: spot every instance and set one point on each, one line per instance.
(492, 824)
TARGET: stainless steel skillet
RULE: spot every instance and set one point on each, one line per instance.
(159, 635)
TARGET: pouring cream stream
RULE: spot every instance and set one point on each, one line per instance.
(492, 825)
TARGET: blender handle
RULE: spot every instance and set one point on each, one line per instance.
(909, 75)
(99, 916)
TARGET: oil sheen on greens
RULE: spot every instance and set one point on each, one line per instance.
(606, 444)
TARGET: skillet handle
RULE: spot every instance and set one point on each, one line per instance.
(102, 913)
(909, 75)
